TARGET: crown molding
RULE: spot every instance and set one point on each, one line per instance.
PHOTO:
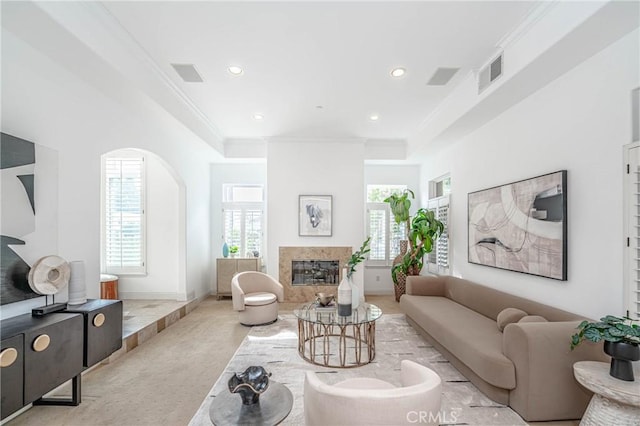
(96, 27)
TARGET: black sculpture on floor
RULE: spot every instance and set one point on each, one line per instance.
(250, 384)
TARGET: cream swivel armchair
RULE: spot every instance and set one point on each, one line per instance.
(368, 401)
(256, 295)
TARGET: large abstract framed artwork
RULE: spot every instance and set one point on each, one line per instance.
(521, 226)
(29, 208)
(314, 215)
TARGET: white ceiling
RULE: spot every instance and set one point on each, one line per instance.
(300, 55)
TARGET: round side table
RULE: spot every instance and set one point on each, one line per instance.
(108, 286)
(614, 401)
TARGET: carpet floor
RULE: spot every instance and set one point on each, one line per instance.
(165, 380)
(161, 382)
(275, 348)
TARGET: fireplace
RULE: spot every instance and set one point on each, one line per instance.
(305, 271)
(315, 272)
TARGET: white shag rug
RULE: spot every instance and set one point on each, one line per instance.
(275, 347)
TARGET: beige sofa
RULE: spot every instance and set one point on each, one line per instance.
(528, 365)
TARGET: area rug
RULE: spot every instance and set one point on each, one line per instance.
(275, 347)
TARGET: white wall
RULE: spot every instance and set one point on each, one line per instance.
(377, 279)
(44, 102)
(162, 218)
(252, 173)
(314, 168)
(579, 122)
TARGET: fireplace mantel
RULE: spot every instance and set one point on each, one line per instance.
(307, 293)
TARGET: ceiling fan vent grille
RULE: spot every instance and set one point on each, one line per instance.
(490, 73)
(188, 73)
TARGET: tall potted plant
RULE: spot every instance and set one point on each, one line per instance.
(400, 205)
(422, 231)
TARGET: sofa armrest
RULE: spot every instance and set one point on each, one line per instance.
(420, 285)
(545, 386)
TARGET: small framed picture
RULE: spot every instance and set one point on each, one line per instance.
(314, 215)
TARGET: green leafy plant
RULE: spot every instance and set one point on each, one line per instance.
(424, 229)
(610, 328)
(234, 249)
(400, 205)
(358, 257)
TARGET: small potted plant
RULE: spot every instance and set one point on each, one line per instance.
(351, 295)
(621, 339)
(233, 250)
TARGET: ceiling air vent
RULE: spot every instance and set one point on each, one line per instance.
(188, 73)
(442, 76)
(490, 73)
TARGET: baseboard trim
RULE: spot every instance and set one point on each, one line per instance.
(144, 295)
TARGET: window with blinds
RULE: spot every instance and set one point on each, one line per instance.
(438, 259)
(243, 215)
(233, 226)
(123, 250)
(384, 231)
(632, 225)
(377, 221)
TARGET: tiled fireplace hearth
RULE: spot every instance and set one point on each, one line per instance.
(310, 262)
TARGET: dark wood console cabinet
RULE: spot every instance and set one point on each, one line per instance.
(102, 328)
(12, 375)
(49, 353)
(38, 354)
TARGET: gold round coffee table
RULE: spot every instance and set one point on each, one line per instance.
(330, 340)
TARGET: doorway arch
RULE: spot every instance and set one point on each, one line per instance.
(164, 274)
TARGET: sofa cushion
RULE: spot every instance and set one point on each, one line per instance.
(509, 315)
(490, 302)
(533, 318)
(473, 338)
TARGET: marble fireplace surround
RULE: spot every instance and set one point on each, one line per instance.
(307, 293)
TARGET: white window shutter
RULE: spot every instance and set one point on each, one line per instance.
(124, 222)
(442, 245)
(385, 234)
(632, 225)
(253, 231)
(438, 259)
(243, 227)
(232, 227)
(377, 221)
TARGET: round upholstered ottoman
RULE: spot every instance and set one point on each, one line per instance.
(259, 308)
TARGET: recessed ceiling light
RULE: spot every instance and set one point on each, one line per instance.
(319, 107)
(258, 117)
(398, 72)
(374, 117)
(235, 70)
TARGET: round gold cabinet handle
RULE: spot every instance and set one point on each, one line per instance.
(41, 343)
(8, 357)
(98, 320)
